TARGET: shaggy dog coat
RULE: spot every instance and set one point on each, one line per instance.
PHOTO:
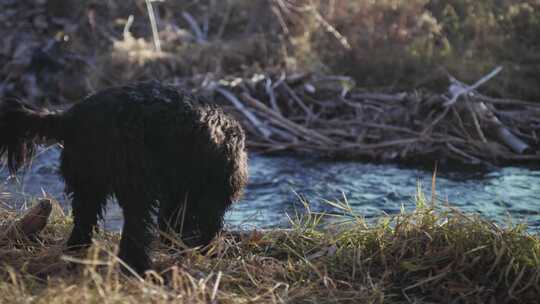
(154, 148)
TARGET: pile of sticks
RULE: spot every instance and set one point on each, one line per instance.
(329, 117)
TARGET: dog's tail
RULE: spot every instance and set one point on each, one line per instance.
(22, 126)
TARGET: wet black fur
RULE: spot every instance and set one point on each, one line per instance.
(152, 147)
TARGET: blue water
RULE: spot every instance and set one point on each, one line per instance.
(277, 184)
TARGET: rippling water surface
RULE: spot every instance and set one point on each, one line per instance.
(276, 183)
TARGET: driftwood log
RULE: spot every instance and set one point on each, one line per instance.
(31, 223)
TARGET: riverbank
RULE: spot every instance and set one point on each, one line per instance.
(429, 255)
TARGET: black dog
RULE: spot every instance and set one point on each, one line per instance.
(154, 148)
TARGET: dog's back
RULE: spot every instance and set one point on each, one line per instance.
(153, 130)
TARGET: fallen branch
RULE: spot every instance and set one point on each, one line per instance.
(458, 88)
(285, 123)
(270, 92)
(199, 34)
(384, 144)
(153, 24)
(471, 159)
(32, 222)
(504, 101)
(332, 30)
(244, 110)
(502, 132)
(477, 126)
(299, 101)
(381, 97)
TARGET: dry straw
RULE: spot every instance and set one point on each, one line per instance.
(429, 255)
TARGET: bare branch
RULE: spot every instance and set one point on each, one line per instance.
(244, 110)
(458, 88)
(153, 24)
(199, 34)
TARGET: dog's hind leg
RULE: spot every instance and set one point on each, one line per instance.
(86, 208)
(89, 196)
(136, 233)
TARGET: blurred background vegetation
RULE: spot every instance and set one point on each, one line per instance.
(60, 50)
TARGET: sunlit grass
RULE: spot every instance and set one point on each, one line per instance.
(432, 254)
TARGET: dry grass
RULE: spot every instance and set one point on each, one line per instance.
(421, 257)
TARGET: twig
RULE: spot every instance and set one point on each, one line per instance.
(332, 30)
(458, 88)
(387, 127)
(280, 19)
(270, 92)
(460, 152)
(153, 24)
(297, 99)
(524, 157)
(127, 27)
(476, 122)
(504, 134)
(225, 21)
(283, 134)
(435, 122)
(206, 25)
(460, 123)
(383, 144)
(369, 124)
(199, 34)
(505, 101)
(381, 97)
(243, 109)
(285, 123)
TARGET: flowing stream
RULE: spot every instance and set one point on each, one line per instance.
(277, 184)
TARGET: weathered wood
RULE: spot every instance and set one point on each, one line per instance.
(285, 123)
(502, 132)
(389, 126)
(32, 222)
(458, 88)
(245, 111)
